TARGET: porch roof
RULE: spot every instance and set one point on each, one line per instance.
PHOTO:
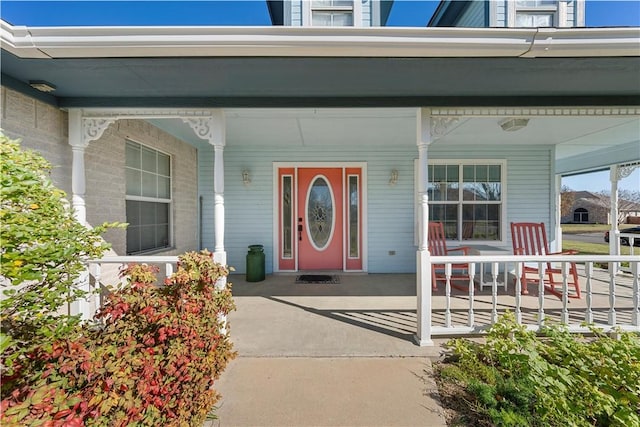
(265, 69)
(331, 67)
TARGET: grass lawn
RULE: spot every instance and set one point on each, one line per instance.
(590, 228)
(594, 248)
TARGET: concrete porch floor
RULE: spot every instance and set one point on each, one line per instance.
(327, 355)
(344, 355)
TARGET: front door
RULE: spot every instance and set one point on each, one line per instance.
(320, 218)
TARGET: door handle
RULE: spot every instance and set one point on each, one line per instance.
(300, 232)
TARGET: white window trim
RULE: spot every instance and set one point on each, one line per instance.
(512, 10)
(503, 202)
(307, 12)
(155, 199)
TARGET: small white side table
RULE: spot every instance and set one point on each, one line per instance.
(489, 250)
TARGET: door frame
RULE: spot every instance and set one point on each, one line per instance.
(276, 210)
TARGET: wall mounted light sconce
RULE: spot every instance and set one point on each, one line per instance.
(393, 180)
(246, 178)
(513, 124)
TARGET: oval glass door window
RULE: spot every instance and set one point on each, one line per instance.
(320, 215)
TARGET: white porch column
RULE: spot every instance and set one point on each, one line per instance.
(614, 233)
(212, 128)
(558, 213)
(218, 185)
(78, 177)
(423, 261)
(81, 131)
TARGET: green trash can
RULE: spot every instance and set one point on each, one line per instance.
(255, 263)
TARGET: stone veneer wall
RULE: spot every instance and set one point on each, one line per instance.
(44, 128)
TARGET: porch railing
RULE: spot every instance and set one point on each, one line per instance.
(631, 238)
(608, 300)
(106, 272)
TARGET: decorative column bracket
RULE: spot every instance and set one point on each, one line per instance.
(93, 128)
(626, 169)
(440, 126)
(210, 128)
(202, 126)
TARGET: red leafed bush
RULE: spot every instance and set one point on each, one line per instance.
(153, 361)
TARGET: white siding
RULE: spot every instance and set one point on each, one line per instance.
(500, 14)
(296, 14)
(249, 209)
(571, 16)
(474, 16)
(366, 13)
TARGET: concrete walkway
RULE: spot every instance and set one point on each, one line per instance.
(327, 355)
(354, 391)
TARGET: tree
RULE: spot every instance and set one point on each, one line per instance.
(628, 200)
(567, 199)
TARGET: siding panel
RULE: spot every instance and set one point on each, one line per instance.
(390, 211)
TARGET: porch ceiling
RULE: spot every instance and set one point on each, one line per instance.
(327, 82)
(606, 140)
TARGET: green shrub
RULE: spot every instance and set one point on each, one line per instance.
(153, 361)
(42, 255)
(556, 379)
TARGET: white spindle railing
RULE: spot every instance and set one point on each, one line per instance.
(602, 302)
(106, 272)
(608, 300)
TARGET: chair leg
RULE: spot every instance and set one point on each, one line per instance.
(523, 282)
(576, 283)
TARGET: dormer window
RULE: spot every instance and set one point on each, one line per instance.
(332, 13)
(536, 13)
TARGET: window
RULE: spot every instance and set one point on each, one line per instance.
(148, 198)
(581, 215)
(287, 217)
(535, 13)
(468, 199)
(354, 217)
(332, 13)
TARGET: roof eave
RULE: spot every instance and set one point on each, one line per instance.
(123, 42)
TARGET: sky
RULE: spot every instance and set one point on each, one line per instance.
(405, 13)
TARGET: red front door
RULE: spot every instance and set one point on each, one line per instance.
(320, 219)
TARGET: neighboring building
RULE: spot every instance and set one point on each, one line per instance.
(509, 13)
(591, 208)
(329, 13)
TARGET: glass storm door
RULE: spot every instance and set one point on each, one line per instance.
(320, 218)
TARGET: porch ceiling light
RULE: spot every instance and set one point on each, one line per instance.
(513, 124)
(42, 86)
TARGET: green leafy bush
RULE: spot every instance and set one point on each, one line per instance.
(555, 379)
(152, 362)
(42, 254)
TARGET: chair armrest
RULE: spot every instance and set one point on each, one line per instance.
(464, 249)
(567, 252)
